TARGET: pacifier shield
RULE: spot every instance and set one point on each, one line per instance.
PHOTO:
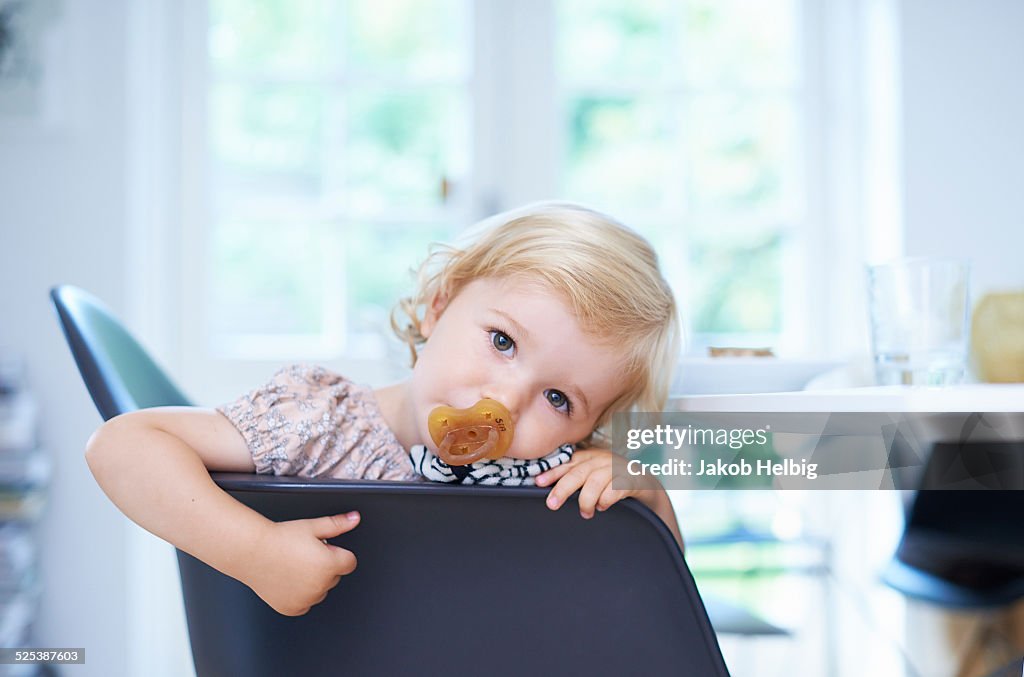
(464, 436)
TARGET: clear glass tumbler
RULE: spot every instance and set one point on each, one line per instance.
(919, 321)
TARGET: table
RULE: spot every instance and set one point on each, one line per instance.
(975, 397)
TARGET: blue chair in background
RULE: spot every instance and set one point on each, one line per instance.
(452, 580)
(964, 549)
(118, 372)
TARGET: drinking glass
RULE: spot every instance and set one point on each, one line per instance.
(919, 321)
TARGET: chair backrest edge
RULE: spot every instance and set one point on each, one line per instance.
(99, 388)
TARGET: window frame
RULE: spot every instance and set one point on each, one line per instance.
(501, 73)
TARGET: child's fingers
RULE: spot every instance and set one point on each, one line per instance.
(578, 458)
(345, 562)
(592, 491)
(551, 476)
(609, 497)
(569, 483)
(330, 526)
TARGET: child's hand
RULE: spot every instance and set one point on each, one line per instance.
(292, 567)
(590, 470)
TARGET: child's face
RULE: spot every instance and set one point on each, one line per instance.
(519, 343)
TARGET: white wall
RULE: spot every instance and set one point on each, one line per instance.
(963, 131)
(62, 220)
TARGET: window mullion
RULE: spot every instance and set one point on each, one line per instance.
(488, 54)
(532, 138)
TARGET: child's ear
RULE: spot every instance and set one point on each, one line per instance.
(434, 309)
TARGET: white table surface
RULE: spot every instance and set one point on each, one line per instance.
(975, 397)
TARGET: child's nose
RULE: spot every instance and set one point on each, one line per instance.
(511, 396)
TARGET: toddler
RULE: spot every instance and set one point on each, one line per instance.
(555, 311)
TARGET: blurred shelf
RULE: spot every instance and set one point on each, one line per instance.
(25, 474)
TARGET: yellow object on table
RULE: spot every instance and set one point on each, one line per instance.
(997, 337)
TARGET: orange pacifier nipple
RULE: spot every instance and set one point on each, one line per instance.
(464, 436)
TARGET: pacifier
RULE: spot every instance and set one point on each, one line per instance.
(464, 436)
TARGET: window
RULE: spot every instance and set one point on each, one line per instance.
(340, 137)
(686, 115)
(336, 133)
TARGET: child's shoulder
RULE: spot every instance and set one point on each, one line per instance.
(311, 374)
(308, 380)
(302, 383)
(311, 421)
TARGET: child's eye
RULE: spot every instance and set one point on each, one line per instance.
(502, 342)
(558, 400)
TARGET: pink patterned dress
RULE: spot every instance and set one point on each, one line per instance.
(310, 422)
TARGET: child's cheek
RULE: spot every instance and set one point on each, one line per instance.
(526, 445)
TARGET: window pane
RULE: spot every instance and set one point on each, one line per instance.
(328, 110)
(427, 38)
(382, 259)
(740, 42)
(380, 262)
(272, 36)
(736, 283)
(267, 138)
(743, 154)
(402, 145)
(618, 150)
(716, 164)
(272, 277)
(611, 39)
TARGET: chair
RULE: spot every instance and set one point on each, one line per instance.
(117, 371)
(964, 549)
(452, 579)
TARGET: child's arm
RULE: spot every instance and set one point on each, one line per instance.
(590, 471)
(153, 464)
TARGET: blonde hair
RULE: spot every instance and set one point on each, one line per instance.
(608, 274)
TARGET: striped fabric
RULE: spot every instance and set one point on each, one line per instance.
(511, 472)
